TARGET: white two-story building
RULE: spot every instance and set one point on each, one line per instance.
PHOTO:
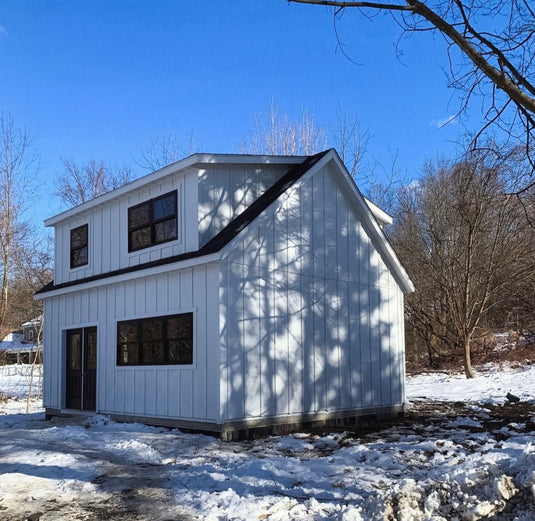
(223, 293)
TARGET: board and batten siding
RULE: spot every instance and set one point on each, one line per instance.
(226, 190)
(178, 392)
(108, 230)
(311, 317)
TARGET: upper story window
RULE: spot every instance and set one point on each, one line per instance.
(152, 222)
(79, 246)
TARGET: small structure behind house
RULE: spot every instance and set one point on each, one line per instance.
(23, 347)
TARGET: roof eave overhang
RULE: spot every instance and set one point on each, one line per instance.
(126, 275)
(384, 218)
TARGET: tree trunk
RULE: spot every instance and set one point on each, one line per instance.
(5, 285)
(467, 359)
(430, 359)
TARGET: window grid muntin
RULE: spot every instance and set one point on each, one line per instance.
(180, 342)
(136, 229)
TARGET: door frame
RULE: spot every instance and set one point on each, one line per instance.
(84, 379)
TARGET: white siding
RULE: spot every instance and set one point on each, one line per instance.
(182, 392)
(225, 191)
(108, 231)
(311, 318)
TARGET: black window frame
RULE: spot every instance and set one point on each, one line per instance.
(152, 222)
(75, 251)
(138, 343)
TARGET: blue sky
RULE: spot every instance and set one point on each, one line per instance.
(93, 79)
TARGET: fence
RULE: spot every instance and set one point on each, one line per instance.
(15, 380)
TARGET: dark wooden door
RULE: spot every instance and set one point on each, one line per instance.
(81, 376)
(73, 393)
(89, 396)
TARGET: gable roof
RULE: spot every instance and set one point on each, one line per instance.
(373, 217)
(301, 166)
(34, 322)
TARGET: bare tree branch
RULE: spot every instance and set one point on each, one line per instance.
(78, 184)
(164, 150)
(495, 37)
(343, 5)
(275, 133)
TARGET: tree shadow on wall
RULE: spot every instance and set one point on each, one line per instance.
(313, 318)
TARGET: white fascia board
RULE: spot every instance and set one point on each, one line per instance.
(193, 161)
(246, 159)
(131, 275)
(379, 213)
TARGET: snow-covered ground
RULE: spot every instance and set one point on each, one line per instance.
(462, 453)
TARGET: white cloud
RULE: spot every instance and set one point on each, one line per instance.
(3, 32)
(439, 123)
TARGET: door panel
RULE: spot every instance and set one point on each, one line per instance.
(81, 369)
(90, 369)
(74, 369)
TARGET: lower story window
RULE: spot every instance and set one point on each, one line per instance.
(156, 340)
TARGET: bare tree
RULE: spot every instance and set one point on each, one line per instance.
(164, 150)
(350, 140)
(381, 183)
(80, 183)
(275, 133)
(16, 166)
(32, 269)
(496, 40)
(467, 243)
